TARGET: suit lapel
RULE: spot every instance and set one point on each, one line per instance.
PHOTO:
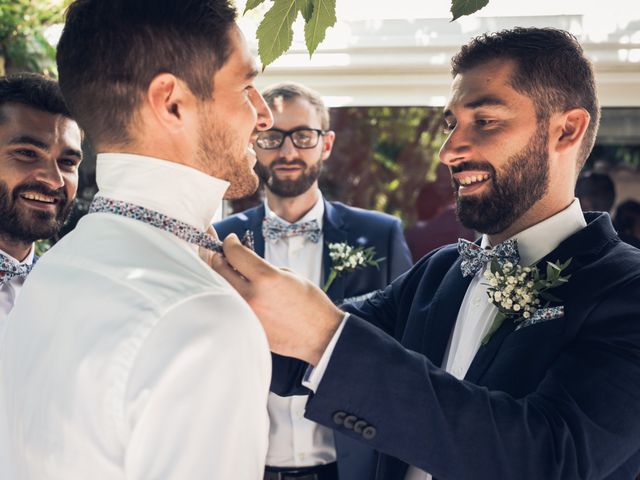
(334, 232)
(443, 313)
(255, 225)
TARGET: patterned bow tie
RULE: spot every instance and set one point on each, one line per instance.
(9, 269)
(159, 220)
(274, 229)
(474, 258)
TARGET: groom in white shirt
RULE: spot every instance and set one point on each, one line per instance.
(126, 356)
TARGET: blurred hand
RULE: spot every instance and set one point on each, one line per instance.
(298, 317)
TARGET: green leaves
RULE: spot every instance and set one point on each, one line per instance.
(275, 32)
(323, 17)
(460, 8)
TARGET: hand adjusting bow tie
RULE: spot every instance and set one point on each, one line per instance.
(11, 269)
(274, 229)
(474, 258)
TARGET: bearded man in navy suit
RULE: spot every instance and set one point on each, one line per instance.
(424, 371)
(293, 228)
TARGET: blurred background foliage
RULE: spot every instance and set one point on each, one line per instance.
(23, 44)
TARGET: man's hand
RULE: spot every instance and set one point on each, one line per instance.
(299, 318)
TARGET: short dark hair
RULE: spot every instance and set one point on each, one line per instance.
(596, 191)
(291, 90)
(110, 51)
(551, 69)
(33, 90)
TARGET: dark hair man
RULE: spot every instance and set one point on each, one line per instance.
(128, 357)
(39, 158)
(293, 229)
(466, 367)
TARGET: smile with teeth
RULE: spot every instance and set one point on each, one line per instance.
(37, 197)
(473, 179)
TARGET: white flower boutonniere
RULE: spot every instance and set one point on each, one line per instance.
(521, 293)
(346, 258)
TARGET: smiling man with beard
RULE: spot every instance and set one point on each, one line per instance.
(39, 158)
(445, 372)
(127, 357)
(293, 229)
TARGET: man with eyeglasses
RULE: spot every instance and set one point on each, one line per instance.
(293, 229)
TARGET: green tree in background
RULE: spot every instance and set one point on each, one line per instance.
(23, 46)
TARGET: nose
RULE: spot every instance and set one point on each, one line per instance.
(49, 174)
(287, 149)
(265, 117)
(456, 148)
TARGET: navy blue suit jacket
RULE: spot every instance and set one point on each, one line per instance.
(558, 400)
(354, 226)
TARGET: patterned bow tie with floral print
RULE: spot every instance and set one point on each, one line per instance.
(9, 269)
(474, 258)
(178, 228)
(274, 229)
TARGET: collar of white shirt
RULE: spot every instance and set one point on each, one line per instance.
(316, 212)
(542, 238)
(28, 260)
(172, 189)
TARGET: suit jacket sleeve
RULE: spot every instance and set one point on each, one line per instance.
(582, 421)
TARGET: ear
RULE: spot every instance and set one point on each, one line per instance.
(327, 143)
(167, 97)
(569, 129)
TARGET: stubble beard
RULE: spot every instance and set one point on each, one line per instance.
(22, 224)
(523, 181)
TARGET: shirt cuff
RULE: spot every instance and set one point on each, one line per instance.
(313, 376)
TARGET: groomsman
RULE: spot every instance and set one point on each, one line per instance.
(514, 357)
(127, 357)
(39, 158)
(293, 228)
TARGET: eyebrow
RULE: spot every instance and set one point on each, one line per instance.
(22, 139)
(486, 101)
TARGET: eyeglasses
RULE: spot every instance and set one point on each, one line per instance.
(300, 137)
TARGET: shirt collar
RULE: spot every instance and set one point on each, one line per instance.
(542, 238)
(316, 212)
(175, 190)
(28, 259)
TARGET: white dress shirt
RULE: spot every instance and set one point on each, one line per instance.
(476, 313)
(295, 441)
(10, 290)
(127, 357)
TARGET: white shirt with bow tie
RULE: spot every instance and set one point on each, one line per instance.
(10, 290)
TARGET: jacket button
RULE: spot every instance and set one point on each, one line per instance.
(350, 421)
(359, 425)
(369, 433)
(338, 418)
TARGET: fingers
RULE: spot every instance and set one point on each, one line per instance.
(222, 268)
(246, 262)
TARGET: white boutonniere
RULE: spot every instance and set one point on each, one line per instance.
(346, 258)
(522, 293)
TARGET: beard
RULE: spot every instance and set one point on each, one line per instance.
(289, 188)
(23, 224)
(221, 154)
(523, 181)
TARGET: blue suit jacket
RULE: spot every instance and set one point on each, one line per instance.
(558, 400)
(354, 226)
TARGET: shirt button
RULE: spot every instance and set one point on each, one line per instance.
(301, 456)
(477, 302)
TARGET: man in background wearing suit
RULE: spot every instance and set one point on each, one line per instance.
(424, 371)
(293, 229)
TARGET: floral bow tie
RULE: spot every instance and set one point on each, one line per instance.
(11, 269)
(474, 258)
(274, 229)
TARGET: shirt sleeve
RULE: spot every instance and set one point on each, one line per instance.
(313, 375)
(195, 404)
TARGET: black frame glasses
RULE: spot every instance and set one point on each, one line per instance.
(301, 137)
